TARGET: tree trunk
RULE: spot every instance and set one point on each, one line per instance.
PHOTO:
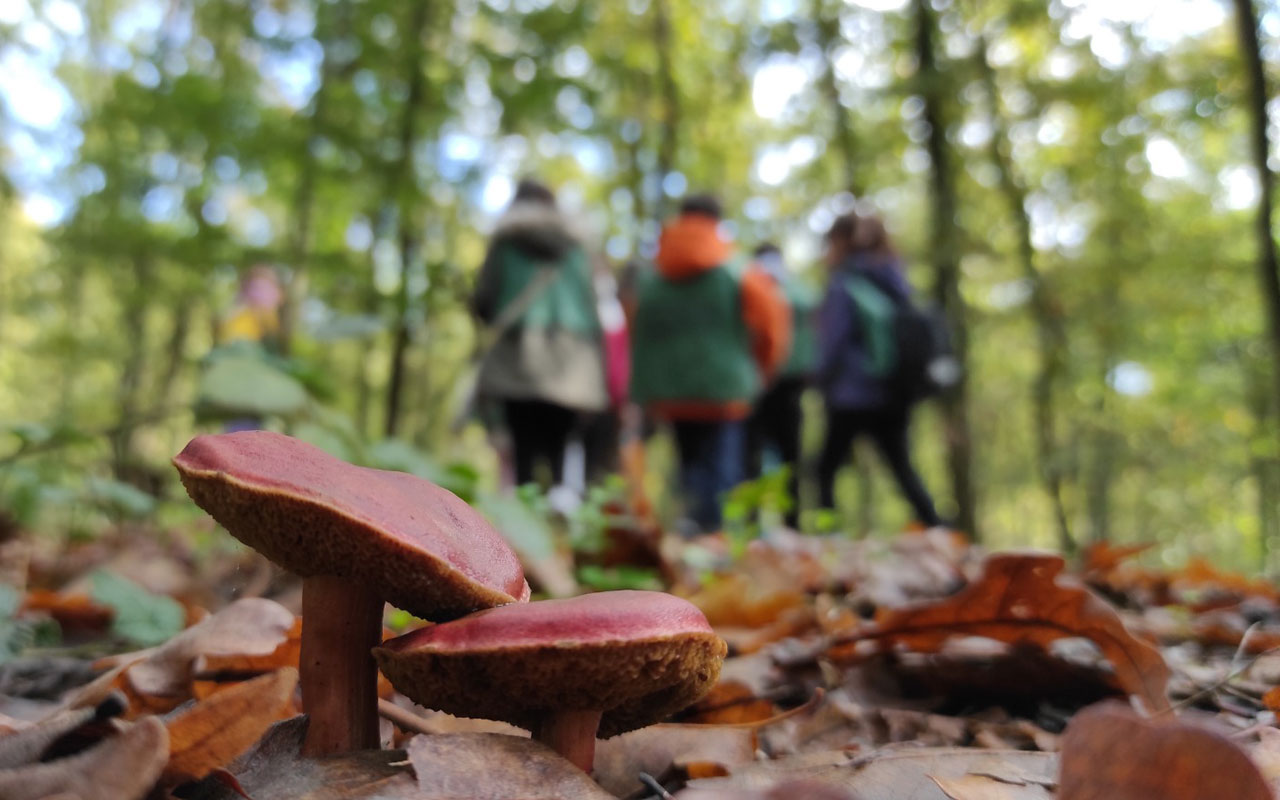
(669, 142)
(1045, 311)
(944, 244)
(826, 25)
(1268, 270)
(406, 234)
(129, 392)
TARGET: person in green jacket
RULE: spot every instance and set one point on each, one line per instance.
(776, 419)
(547, 367)
(708, 332)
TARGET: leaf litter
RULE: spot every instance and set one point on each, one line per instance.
(917, 667)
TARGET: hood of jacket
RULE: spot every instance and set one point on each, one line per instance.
(689, 246)
(536, 228)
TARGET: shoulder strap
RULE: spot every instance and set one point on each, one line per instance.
(876, 312)
(516, 308)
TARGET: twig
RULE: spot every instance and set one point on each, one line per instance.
(652, 784)
(1213, 687)
(405, 720)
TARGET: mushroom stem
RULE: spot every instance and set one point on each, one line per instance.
(341, 624)
(572, 734)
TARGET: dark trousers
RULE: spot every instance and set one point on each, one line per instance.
(711, 462)
(539, 431)
(887, 429)
(776, 422)
(600, 441)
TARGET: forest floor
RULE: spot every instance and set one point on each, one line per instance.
(917, 667)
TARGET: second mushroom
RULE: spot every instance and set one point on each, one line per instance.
(567, 670)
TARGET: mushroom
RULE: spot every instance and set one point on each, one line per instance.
(357, 537)
(568, 669)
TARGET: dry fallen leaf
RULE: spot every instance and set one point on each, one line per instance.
(248, 627)
(1102, 557)
(490, 766)
(124, 767)
(708, 750)
(737, 601)
(219, 729)
(275, 770)
(986, 787)
(29, 744)
(729, 702)
(1110, 753)
(284, 655)
(1018, 600)
(74, 611)
(903, 773)
(791, 790)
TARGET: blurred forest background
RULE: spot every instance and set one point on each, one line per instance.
(1075, 180)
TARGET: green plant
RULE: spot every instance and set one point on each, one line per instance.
(589, 525)
(17, 635)
(753, 503)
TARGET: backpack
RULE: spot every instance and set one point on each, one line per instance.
(907, 346)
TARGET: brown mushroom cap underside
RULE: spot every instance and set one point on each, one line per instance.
(420, 561)
(635, 683)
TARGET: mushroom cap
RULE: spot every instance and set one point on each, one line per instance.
(636, 656)
(418, 545)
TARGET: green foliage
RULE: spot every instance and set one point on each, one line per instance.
(607, 579)
(18, 635)
(754, 503)
(141, 618)
(523, 519)
(117, 498)
(590, 523)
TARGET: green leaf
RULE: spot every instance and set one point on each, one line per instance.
(528, 531)
(141, 617)
(607, 579)
(247, 386)
(16, 635)
(327, 439)
(119, 498)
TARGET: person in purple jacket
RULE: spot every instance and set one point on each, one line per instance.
(859, 403)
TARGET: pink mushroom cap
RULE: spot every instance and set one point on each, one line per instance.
(418, 545)
(636, 656)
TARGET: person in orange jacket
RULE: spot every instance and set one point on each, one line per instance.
(709, 332)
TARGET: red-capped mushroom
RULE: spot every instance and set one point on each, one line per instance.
(357, 537)
(567, 669)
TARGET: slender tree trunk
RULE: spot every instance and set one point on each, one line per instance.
(175, 353)
(669, 90)
(406, 233)
(1045, 311)
(826, 23)
(1268, 269)
(944, 244)
(129, 391)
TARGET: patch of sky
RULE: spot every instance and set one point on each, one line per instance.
(1166, 160)
(1131, 379)
(775, 83)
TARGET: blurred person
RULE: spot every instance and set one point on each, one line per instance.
(708, 332)
(601, 432)
(866, 288)
(546, 367)
(252, 322)
(254, 315)
(776, 420)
